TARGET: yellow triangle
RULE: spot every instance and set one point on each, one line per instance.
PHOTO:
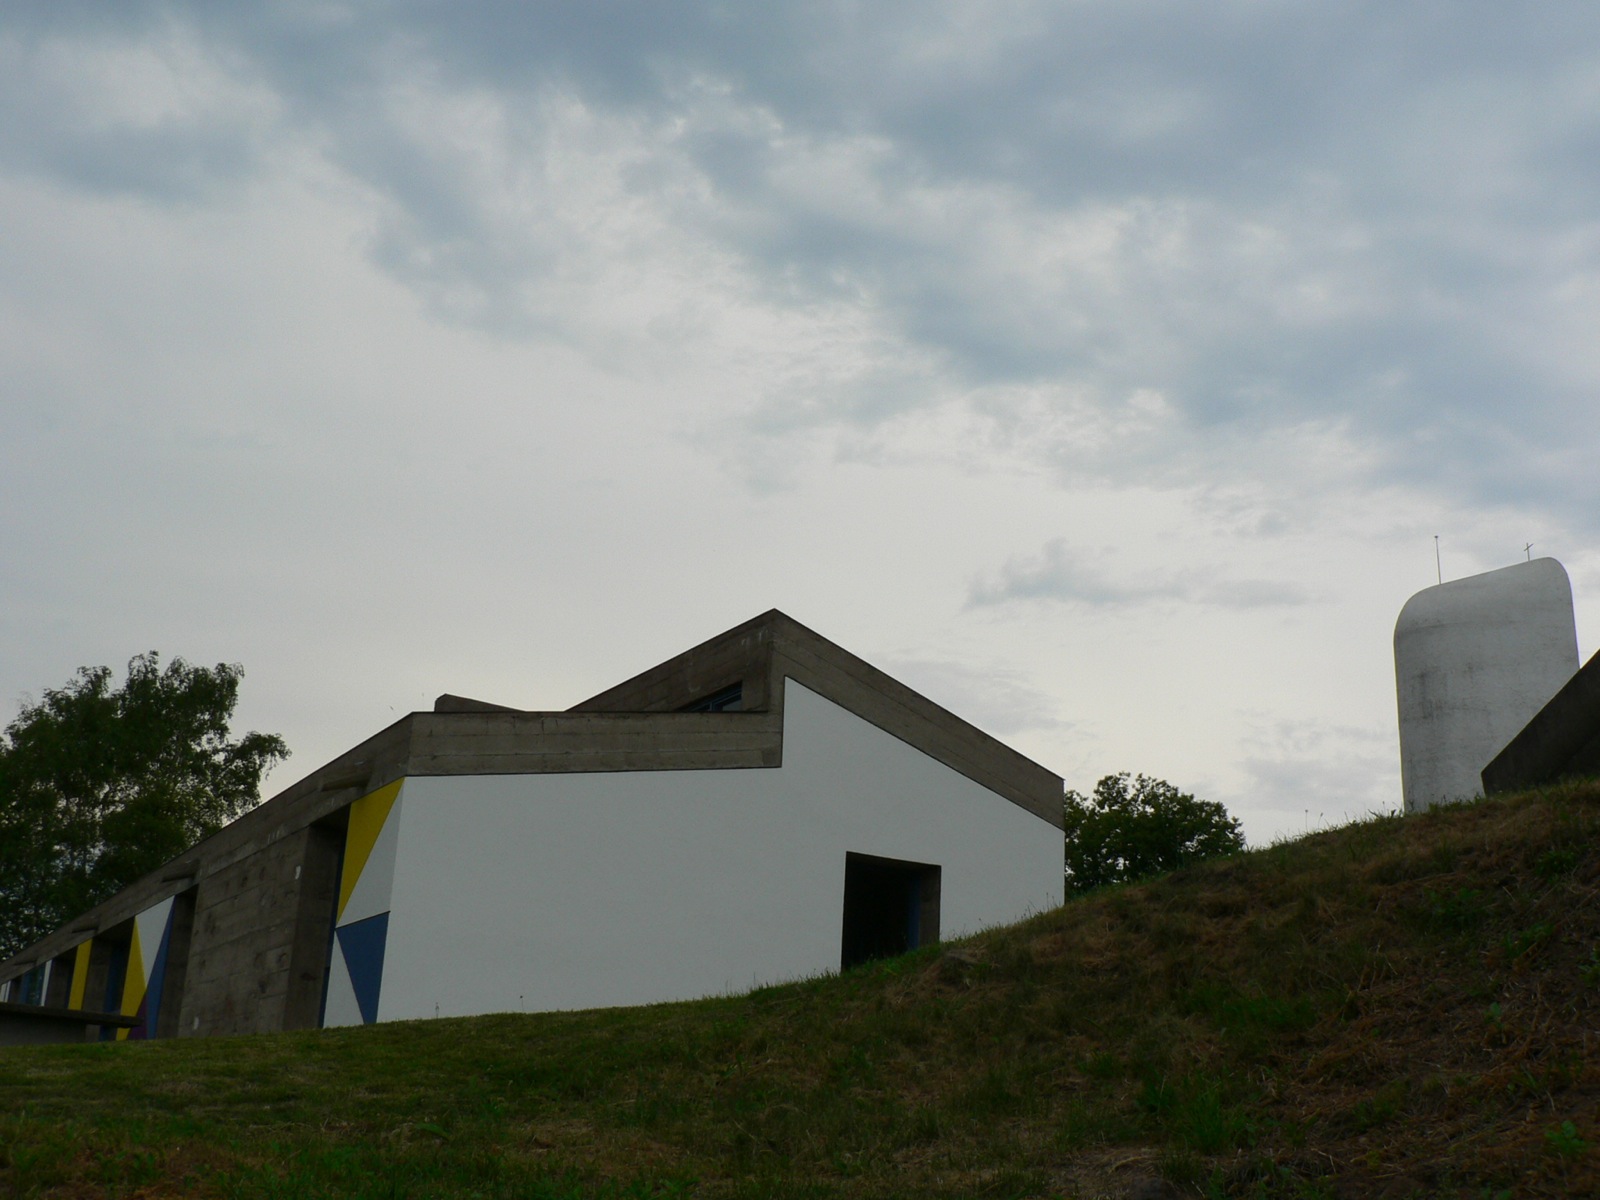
(367, 816)
(132, 982)
(80, 974)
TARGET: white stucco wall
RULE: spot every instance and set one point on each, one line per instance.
(564, 891)
(1474, 660)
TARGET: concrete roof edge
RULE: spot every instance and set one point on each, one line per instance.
(624, 696)
(1041, 794)
(902, 712)
(303, 802)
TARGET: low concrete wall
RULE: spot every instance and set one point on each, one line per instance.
(247, 924)
(34, 1025)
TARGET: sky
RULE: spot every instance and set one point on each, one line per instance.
(1103, 370)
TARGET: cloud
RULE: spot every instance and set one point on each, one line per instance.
(1064, 575)
(998, 701)
(1091, 202)
(153, 113)
(1312, 774)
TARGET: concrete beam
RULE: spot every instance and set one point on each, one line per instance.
(36, 1025)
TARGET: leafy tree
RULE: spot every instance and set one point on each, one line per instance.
(1135, 827)
(100, 785)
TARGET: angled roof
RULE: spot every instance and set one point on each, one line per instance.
(765, 650)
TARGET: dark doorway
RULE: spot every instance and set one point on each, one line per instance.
(889, 907)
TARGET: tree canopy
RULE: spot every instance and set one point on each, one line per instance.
(1135, 827)
(102, 784)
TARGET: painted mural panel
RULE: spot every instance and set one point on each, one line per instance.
(361, 921)
(25, 988)
(145, 976)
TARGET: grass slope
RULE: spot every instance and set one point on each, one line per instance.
(1404, 1007)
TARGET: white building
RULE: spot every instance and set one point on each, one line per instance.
(762, 807)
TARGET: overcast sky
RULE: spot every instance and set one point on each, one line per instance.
(1102, 369)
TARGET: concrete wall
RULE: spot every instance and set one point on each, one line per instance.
(256, 955)
(579, 890)
(1561, 742)
(1475, 659)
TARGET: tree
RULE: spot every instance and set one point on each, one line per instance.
(1135, 827)
(100, 785)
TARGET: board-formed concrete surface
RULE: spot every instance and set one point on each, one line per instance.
(1561, 742)
(1474, 660)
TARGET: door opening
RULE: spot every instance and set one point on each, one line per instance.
(890, 907)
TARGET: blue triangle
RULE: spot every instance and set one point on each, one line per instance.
(362, 943)
(155, 986)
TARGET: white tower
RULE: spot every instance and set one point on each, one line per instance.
(1474, 660)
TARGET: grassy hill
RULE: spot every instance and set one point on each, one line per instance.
(1405, 1007)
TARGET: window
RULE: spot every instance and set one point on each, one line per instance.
(729, 699)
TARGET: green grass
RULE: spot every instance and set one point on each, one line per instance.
(1403, 1007)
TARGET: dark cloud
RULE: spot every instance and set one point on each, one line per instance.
(1267, 214)
(132, 115)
